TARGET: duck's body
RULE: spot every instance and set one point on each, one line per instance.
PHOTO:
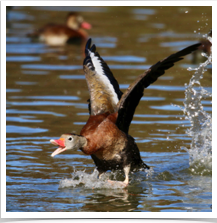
(116, 150)
(57, 35)
(60, 34)
(105, 136)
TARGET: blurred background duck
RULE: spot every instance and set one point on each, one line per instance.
(60, 34)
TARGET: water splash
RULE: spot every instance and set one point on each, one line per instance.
(200, 153)
(90, 181)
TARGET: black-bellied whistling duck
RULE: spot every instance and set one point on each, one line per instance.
(105, 135)
(60, 34)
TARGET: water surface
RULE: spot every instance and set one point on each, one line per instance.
(46, 95)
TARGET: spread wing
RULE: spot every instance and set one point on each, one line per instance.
(103, 87)
(130, 99)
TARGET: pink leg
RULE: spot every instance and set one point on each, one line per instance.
(126, 181)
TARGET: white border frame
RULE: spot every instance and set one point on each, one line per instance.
(85, 215)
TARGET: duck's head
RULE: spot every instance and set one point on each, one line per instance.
(76, 21)
(68, 141)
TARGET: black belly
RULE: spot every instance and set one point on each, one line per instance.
(129, 155)
(104, 165)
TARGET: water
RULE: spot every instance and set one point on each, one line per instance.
(46, 95)
(200, 153)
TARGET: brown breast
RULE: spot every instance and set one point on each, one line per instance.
(105, 140)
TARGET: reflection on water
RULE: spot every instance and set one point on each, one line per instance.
(46, 95)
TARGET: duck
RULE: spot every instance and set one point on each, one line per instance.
(61, 34)
(105, 136)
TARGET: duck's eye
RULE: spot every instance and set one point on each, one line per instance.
(70, 138)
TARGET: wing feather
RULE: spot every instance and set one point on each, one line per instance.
(103, 87)
(130, 99)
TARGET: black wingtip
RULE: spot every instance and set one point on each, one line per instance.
(93, 48)
(192, 48)
(197, 45)
(87, 47)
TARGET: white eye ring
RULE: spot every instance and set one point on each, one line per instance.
(70, 138)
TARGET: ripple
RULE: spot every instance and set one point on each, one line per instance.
(51, 67)
(19, 119)
(73, 77)
(8, 90)
(144, 11)
(23, 129)
(16, 111)
(127, 58)
(22, 58)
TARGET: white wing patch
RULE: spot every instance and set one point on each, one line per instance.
(101, 73)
